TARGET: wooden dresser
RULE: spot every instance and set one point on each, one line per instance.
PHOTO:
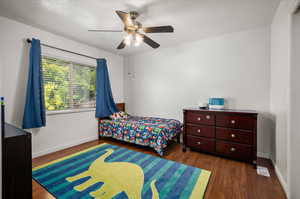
(228, 133)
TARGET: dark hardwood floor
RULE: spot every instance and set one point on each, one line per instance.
(230, 179)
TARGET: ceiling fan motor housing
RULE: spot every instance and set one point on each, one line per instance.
(135, 27)
(134, 15)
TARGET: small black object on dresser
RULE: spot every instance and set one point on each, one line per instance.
(228, 133)
(16, 161)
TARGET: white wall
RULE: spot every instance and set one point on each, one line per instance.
(1, 75)
(295, 109)
(235, 66)
(279, 99)
(61, 130)
(284, 88)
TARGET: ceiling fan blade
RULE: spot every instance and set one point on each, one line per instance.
(149, 41)
(105, 30)
(125, 17)
(158, 29)
(121, 45)
(297, 10)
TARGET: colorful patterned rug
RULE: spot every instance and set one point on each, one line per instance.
(107, 171)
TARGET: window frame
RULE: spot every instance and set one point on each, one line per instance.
(72, 110)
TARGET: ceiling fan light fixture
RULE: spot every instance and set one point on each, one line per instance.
(133, 38)
(138, 39)
(137, 43)
(128, 39)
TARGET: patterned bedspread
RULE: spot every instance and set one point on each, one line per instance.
(147, 131)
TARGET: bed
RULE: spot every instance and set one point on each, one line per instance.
(147, 131)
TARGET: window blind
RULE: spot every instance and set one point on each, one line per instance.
(68, 85)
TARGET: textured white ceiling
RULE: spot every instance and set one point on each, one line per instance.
(192, 19)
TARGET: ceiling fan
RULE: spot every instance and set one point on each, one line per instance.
(135, 31)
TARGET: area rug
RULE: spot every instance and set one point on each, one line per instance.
(106, 171)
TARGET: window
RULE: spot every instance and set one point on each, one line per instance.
(68, 85)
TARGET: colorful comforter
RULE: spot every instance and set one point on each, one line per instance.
(147, 131)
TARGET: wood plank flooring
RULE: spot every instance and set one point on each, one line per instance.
(229, 180)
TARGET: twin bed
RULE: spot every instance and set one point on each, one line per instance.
(146, 131)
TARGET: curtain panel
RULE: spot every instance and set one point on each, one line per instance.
(34, 111)
(105, 104)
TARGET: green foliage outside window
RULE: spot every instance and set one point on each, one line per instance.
(68, 85)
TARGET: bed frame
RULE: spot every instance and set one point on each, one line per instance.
(121, 107)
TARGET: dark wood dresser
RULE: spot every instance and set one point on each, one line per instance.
(16, 163)
(228, 133)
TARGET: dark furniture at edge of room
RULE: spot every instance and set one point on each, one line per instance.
(228, 133)
(16, 161)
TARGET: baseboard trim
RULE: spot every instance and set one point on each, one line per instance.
(263, 155)
(54, 149)
(58, 148)
(281, 179)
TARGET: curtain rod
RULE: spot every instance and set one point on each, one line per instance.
(68, 51)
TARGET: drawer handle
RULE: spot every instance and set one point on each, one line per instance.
(232, 149)
(232, 121)
(199, 118)
(198, 143)
(208, 117)
(233, 135)
(199, 130)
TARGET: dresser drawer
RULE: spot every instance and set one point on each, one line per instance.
(237, 122)
(232, 150)
(200, 130)
(202, 144)
(240, 136)
(200, 118)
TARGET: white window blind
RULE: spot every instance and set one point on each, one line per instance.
(68, 85)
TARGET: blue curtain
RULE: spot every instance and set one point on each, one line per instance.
(34, 111)
(105, 104)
